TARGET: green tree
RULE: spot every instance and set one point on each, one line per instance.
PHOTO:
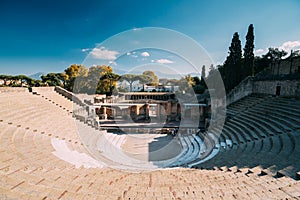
(19, 80)
(130, 78)
(33, 83)
(190, 80)
(275, 55)
(186, 84)
(149, 78)
(261, 63)
(233, 63)
(110, 80)
(72, 72)
(249, 53)
(101, 80)
(203, 73)
(197, 80)
(199, 89)
(5, 79)
(53, 79)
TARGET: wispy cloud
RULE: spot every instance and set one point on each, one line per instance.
(290, 45)
(132, 54)
(103, 53)
(85, 50)
(164, 61)
(113, 63)
(286, 46)
(259, 52)
(145, 54)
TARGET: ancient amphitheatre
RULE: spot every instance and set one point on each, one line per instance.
(42, 157)
(139, 118)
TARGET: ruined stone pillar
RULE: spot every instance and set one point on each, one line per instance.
(158, 112)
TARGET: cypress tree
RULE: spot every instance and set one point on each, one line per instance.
(203, 74)
(248, 52)
(233, 63)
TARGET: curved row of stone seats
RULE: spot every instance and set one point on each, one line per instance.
(244, 104)
(44, 127)
(265, 126)
(191, 150)
(107, 147)
(187, 185)
(152, 185)
(30, 170)
(49, 94)
(289, 107)
(30, 111)
(13, 89)
(24, 143)
(273, 142)
(32, 128)
(289, 119)
(45, 91)
(287, 124)
(211, 149)
(196, 148)
(227, 140)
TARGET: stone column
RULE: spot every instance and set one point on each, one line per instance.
(158, 112)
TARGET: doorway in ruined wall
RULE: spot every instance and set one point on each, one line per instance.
(278, 90)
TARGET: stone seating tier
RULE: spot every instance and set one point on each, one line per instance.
(257, 156)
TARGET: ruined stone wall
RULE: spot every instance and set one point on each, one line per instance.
(285, 65)
(249, 86)
(242, 90)
(287, 87)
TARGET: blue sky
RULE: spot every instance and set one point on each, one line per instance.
(48, 36)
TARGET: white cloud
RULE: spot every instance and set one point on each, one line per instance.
(104, 54)
(145, 54)
(85, 50)
(289, 45)
(164, 61)
(113, 63)
(132, 54)
(259, 52)
(286, 46)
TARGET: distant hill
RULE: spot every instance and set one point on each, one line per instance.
(37, 76)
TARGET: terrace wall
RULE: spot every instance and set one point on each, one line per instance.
(248, 86)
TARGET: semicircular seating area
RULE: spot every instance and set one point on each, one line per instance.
(264, 131)
(256, 155)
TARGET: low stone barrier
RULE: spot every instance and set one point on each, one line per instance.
(69, 95)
